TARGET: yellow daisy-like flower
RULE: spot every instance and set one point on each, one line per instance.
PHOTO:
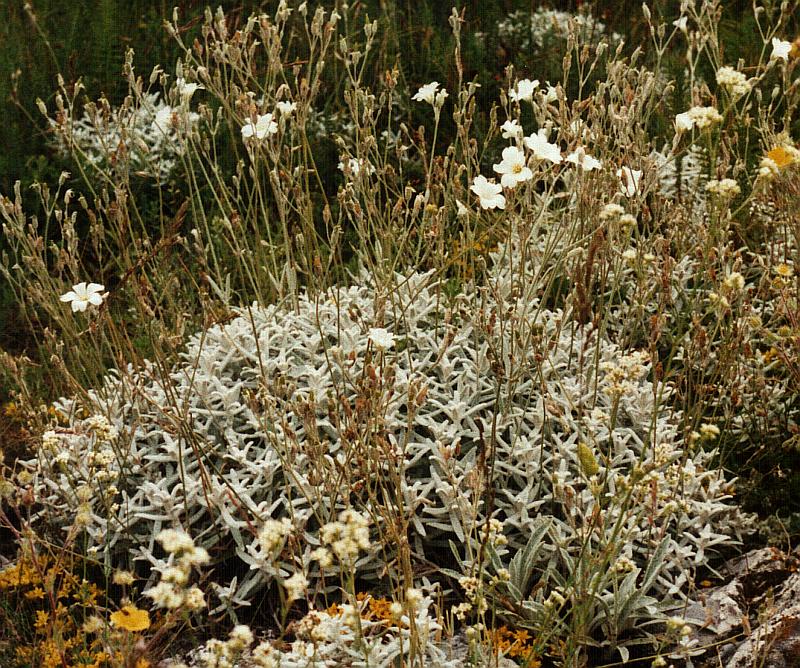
(780, 156)
(130, 618)
(42, 618)
(36, 592)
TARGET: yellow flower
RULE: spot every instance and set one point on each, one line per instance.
(41, 620)
(130, 618)
(780, 156)
(36, 592)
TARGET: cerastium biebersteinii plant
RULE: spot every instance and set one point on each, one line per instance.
(431, 417)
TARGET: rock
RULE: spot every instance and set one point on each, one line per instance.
(759, 570)
(775, 643)
(720, 610)
(760, 602)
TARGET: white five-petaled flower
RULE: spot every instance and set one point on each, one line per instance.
(543, 149)
(490, 194)
(461, 210)
(697, 117)
(680, 24)
(186, 90)
(427, 93)
(780, 49)
(381, 338)
(513, 169)
(582, 159)
(264, 125)
(512, 130)
(630, 179)
(285, 107)
(683, 122)
(354, 165)
(524, 90)
(82, 295)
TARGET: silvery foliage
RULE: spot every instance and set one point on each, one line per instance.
(532, 30)
(682, 175)
(291, 411)
(145, 138)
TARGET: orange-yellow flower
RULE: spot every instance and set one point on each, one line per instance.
(130, 618)
(780, 156)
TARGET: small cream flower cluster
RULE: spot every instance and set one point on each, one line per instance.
(272, 536)
(621, 377)
(736, 82)
(296, 586)
(708, 432)
(172, 592)
(623, 565)
(226, 654)
(731, 287)
(473, 588)
(697, 117)
(725, 189)
(347, 536)
(101, 428)
(555, 600)
(614, 213)
(494, 533)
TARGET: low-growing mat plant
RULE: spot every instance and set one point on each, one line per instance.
(386, 373)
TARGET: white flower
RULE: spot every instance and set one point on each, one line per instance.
(780, 49)
(264, 125)
(186, 90)
(630, 179)
(285, 107)
(697, 117)
(427, 93)
(683, 122)
(82, 295)
(438, 100)
(680, 24)
(354, 165)
(490, 194)
(524, 90)
(163, 118)
(551, 94)
(583, 160)
(513, 169)
(543, 149)
(461, 210)
(381, 338)
(512, 130)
